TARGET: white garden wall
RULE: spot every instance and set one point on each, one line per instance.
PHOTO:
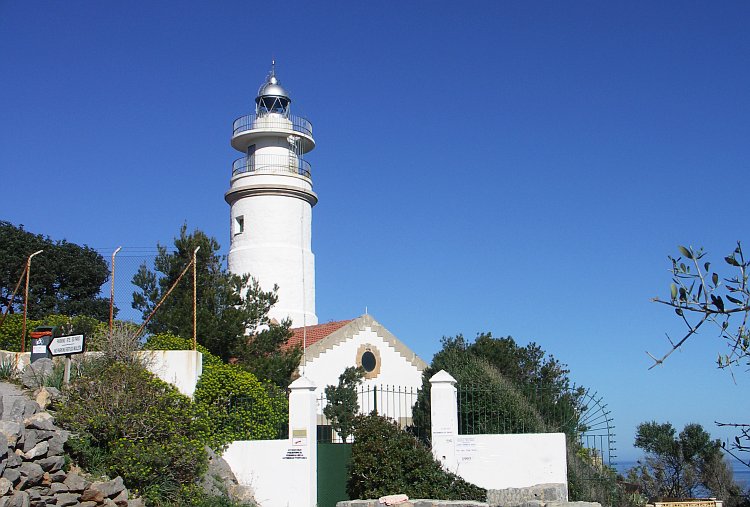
(492, 461)
(181, 368)
(511, 461)
(275, 469)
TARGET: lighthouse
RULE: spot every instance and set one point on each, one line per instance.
(271, 199)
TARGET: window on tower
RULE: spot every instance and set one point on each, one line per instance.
(239, 225)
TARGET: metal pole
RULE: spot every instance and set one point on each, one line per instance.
(26, 300)
(67, 369)
(13, 296)
(195, 300)
(112, 291)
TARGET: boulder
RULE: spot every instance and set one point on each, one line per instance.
(51, 464)
(65, 499)
(32, 472)
(12, 474)
(45, 396)
(37, 451)
(11, 430)
(36, 373)
(75, 482)
(58, 487)
(19, 499)
(57, 443)
(92, 495)
(219, 479)
(58, 476)
(5, 486)
(21, 409)
(40, 421)
(109, 489)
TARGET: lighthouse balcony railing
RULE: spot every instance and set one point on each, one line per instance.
(272, 121)
(271, 164)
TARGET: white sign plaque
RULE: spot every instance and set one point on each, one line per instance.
(64, 345)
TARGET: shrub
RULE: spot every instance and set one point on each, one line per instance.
(236, 406)
(117, 345)
(387, 460)
(7, 368)
(129, 423)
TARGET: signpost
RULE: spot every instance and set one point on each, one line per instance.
(66, 346)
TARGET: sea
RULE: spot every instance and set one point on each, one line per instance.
(740, 471)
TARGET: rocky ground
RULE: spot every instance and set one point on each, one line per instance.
(32, 459)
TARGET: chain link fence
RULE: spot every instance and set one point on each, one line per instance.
(127, 262)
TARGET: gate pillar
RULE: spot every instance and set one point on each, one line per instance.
(444, 417)
(303, 435)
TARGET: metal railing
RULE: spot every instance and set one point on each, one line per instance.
(271, 164)
(272, 121)
(394, 402)
(577, 412)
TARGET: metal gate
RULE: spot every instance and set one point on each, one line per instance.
(333, 472)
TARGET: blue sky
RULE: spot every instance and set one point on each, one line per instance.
(522, 168)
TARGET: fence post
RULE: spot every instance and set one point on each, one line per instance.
(444, 417)
(303, 434)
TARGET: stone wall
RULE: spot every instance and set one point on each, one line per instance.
(32, 461)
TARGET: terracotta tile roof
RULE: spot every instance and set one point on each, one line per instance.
(314, 333)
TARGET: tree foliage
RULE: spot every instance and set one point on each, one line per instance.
(682, 465)
(65, 278)
(522, 388)
(229, 307)
(386, 460)
(704, 297)
(342, 407)
(266, 355)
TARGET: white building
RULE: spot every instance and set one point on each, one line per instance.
(271, 199)
(393, 372)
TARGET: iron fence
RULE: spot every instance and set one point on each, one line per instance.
(394, 402)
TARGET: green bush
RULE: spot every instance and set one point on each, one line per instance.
(236, 406)
(169, 341)
(127, 422)
(10, 331)
(386, 460)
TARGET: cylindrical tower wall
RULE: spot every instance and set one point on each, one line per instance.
(274, 247)
(271, 200)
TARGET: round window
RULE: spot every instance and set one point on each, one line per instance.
(368, 361)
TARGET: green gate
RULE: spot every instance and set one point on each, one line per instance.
(333, 464)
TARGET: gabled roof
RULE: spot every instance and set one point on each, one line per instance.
(322, 337)
(314, 333)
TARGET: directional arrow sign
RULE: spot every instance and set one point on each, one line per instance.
(64, 345)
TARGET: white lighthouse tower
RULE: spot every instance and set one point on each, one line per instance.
(271, 199)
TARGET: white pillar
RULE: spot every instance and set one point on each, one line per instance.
(444, 416)
(303, 435)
